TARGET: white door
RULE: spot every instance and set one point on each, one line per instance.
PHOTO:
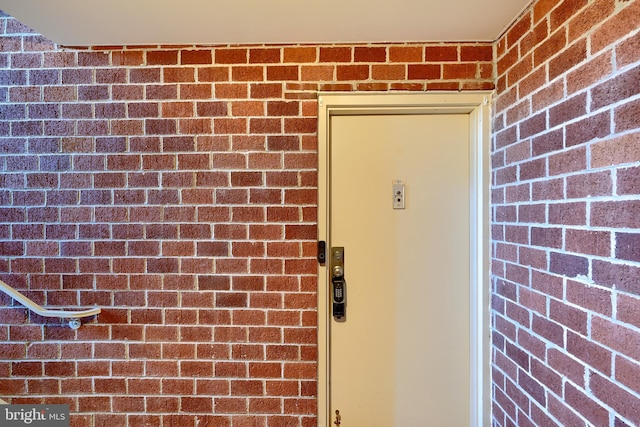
(401, 355)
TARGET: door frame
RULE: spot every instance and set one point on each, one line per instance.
(478, 106)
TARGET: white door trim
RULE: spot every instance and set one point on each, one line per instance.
(477, 105)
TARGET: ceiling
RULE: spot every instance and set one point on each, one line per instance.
(144, 22)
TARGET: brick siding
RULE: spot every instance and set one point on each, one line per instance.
(566, 214)
(176, 188)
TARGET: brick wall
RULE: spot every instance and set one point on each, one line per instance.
(566, 216)
(175, 187)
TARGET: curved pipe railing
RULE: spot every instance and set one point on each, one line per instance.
(73, 316)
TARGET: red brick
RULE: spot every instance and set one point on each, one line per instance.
(230, 405)
(532, 387)
(548, 330)
(585, 405)
(552, 46)
(196, 404)
(441, 53)
(229, 125)
(589, 352)
(568, 213)
(213, 74)
(195, 57)
(162, 57)
(317, 73)
(93, 59)
(352, 72)
(628, 181)
(618, 88)
(562, 412)
(335, 54)
(628, 372)
(179, 75)
(564, 11)
(370, 54)
(569, 316)
(195, 91)
(542, 8)
(388, 72)
(507, 61)
(300, 370)
(568, 110)
(626, 116)
(615, 397)
(520, 70)
(590, 297)
(547, 142)
(94, 404)
(518, 29)
(515, 312)
(231, 90)
(615, 28)
(300, 406)
(407, 86)
(336, 87)
(405, 54)
(283, 108)
(264, 161)
(548, 95)
(423, 71)
(502, 402)
(546, 237)
(300, 54)
(623, 149)
(617, 214)
(110, 385)
(94, 368)
(265, 405)
(628, 51)
(532, 82)
(246, 388)
(230, 56)
(266, 125)
(156, 403)
(533, 300)
(533, 38)
(571, 57)
(196, 368)
(266, 90)
(476, 53)
(248, 214)
(626, 309)
(296, 125)
(247, 73)
(574, 160)
(587, 129)
(459, 71)
(616, 337)
(588, 242)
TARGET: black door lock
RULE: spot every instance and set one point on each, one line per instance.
(338, 284)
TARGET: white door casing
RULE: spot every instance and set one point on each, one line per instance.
(471, 112)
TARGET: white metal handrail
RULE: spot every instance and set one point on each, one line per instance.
(74, 323)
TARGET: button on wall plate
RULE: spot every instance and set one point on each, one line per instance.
(398, 195)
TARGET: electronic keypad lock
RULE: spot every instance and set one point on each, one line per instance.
(338, 288)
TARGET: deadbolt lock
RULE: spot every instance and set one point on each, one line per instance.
(338, 284)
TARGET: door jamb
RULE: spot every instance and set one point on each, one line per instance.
(478, 106)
